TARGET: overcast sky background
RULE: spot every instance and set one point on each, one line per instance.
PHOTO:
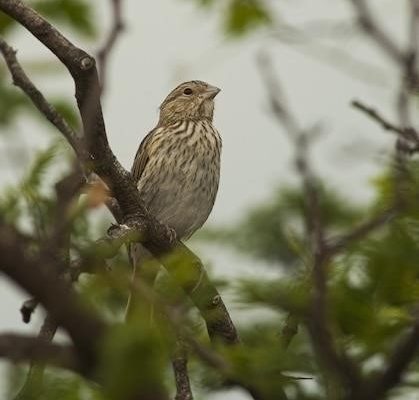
(170, 41)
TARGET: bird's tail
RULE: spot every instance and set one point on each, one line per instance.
(145, 270)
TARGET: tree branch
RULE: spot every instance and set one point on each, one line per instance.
(180, 370)
(408, 133)
(359, 232)
(117, 28)
(21, 80)
(375, 32)
(42, 281)
(32, 388)
(20, 348)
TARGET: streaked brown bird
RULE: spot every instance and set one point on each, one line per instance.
(177, 166)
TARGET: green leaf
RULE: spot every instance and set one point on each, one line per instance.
(133, 360)
(11, 101)
(66, 109)
(6, 23)
(244, 16)
(274, 230)
(290, 295)
(77, 14)
(43, 160)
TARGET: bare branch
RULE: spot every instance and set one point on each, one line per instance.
(19, 348)
(361, 231)
(27, 309)
(180, 369)
(116, 29)
(375, 115)
(42, 282)
(32, 388)
(289, 330)
(376, 33)
(21, 80)
(405, 132)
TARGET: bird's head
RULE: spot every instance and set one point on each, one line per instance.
(190, 100)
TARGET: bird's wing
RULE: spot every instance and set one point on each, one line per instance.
(142, 156)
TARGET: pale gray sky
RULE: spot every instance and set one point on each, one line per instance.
(169, 41)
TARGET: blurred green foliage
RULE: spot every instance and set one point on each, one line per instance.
(76, 14)
(31, 204)
(58, 384)
(241, 17)
(275, 230)
(373, 286)
(134, 359)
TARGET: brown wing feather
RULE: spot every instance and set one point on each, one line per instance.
(141, 157)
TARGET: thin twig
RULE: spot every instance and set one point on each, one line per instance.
(27, 309)
(376, 116)
(359, 232)
(375, 32)
(180, 369)
(21, 80)
(405, 132)
(289, 330)
(117, 28)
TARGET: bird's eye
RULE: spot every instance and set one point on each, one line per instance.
(188, 91)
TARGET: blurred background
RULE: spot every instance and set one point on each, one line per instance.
(316, 51)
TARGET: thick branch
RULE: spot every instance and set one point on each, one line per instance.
(19, 348)
(43, 282)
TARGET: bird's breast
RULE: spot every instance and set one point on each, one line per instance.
(180, 181)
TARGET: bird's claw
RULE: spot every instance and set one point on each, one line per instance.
(171, 234)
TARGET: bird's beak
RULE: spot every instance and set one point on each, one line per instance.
(211, 92)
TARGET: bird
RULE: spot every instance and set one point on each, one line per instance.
(177, 168)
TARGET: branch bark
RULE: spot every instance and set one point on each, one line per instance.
(42, 281)
(20, 348)
(117, 28)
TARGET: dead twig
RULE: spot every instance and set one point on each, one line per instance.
(116, 29)
(21, 80)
